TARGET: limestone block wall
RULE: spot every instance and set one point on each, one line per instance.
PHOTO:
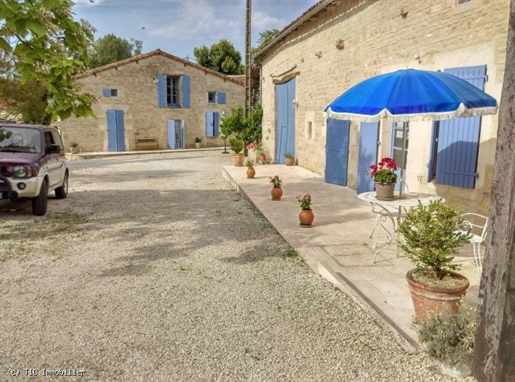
(137, 97)
(355, 40)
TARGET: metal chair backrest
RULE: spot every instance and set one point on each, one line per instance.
(476, 224)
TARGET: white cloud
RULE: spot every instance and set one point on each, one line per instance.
(261, 21)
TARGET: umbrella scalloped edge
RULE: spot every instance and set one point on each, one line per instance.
(461, 111)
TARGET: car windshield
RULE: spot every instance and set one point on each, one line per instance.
(20, 139)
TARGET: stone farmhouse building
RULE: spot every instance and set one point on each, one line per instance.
(155, 98)
(336, 44)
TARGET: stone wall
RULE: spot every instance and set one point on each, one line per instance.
(137, 97)
(355, 40)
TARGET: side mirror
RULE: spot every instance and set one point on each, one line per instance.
(54, 149)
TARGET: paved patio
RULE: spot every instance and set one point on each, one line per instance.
(338, 246)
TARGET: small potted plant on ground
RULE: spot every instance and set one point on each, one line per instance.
(250, 169)
(289, 159)
(306, 215)
(384, 177)
(74, 147)
(277, 191)
(236, 145)
(449, 338)
(198, 142)
(430, 238)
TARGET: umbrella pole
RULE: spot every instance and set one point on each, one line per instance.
(401, 184)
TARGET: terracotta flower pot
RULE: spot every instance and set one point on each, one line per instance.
(289, 161)
(251, 173)
(277, 193)
(262, 158)
(428, 298)
(385, 191)
(237, 160)
(306, 218)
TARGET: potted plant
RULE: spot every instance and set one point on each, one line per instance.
(430, 239)
(289, 159)
(306, 215)
(384, 177)
(198, 142)
(250, 169)
(74, 147)
(449, 338)
(236, 145)
(277, 191)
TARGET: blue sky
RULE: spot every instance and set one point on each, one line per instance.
(177, 27)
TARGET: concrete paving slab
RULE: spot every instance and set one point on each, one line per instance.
(338, 245)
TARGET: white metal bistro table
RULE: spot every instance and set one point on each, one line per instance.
(388, 215)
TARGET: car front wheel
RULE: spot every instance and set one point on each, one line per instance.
(62, 192)
(39, 203)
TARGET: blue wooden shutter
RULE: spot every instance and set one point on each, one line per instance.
(368, 143)
(161, 90)
(120, 131)
(210, 127)
(216, 124)
(185, 91)
(111, 130)
(458, 139)
(106, 92)
(221, 97)
(337, 151)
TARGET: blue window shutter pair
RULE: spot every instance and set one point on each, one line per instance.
(106, 92)
(457, 140)
(221, 97)
(212, 123)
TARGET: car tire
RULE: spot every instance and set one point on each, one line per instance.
(62, 192)
(39, 203)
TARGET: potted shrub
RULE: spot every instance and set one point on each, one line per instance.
(430, 239)
(250, 169)
(384, 177)
(277, 191)
(236, 145)
(289, 159)
(74, 147)
(449, 338)
(198, 142)
(306, 215)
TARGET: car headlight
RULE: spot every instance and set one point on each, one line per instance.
(22, 171)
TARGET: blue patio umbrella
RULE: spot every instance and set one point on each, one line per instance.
(409, 95)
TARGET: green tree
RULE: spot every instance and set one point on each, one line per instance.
(40, 38)
(221, 57)
(110, 48)
(245, 129)
(264, 38)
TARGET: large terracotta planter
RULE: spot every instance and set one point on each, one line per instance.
(237, 160)
(385, 191)
(306, 218)
(429, 299)
(251, 173)
(277, 193)
(289, 161)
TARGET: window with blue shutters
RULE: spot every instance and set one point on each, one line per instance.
(455, 143)
(173, 91)
(212, 124)
(110, 92)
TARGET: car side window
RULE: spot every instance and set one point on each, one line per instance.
(48, 138)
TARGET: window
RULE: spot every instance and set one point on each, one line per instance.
(216, 97)
(173, 90)
(107, 92)
(212, 124)
(211, 97)
(310, 130)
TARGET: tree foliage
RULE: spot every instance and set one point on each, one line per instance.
(221, 57)
(264, 38)
(245, 129)
(40, 38)
(110, 48)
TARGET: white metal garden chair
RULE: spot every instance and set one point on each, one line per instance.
(475, 224)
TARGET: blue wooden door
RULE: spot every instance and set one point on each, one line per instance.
(285, 129)
(368, 143)
(337, 151)
(115, 130)
(175, 134)
(455, 143)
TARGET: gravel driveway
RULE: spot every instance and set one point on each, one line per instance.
(155, 269)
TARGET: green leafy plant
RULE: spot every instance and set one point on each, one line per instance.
(74, 144)
(276, 181)
(304, 201)
(198, 140)
(249, 163)
(448, 336)
(288, 155)
(384, 171)
(431, 238)
(236, 145)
